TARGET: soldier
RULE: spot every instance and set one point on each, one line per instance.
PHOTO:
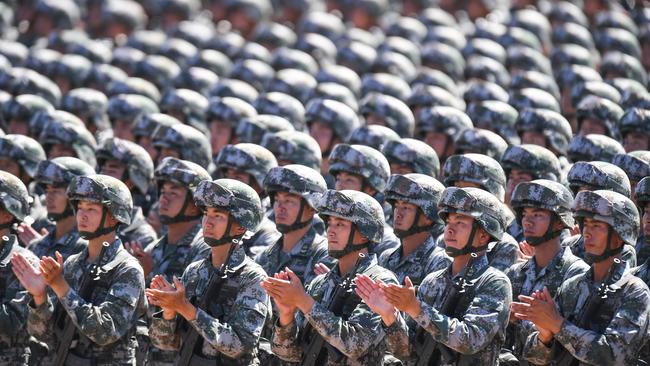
(293, 147)
(414, 198)
(467, 293)
(145, 127)
(328, 310)
(543, 210)
(593, 147)
(13, 333)
(99, 306)
(223, 116)
(123, 111)
(19, 111)
(636, 165)
(386, 110)
(64, 134)
(375, 136)
(438, 127)
(601, 316)
(219, 301)
(635, 128)
(480, 141)
(411, 156)
(131, 164)
(548, 129)
(183, 142)
(642, 199)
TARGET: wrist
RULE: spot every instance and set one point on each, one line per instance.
(168, 314)
(414, 310)
(286, 319)
(545, 337)
(557, 326)
(39, 299)
(187, 310)
(60, 288)
(306, 304)
(389, 318)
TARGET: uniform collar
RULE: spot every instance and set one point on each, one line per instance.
(110, 253)
(420, 253)
(10, 245)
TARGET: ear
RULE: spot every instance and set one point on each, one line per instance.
(370, 191)
(237, 230)
(308, 212)
(110, 220)
(483, 237)
(5, 216)
(424, 221)
(191, 209)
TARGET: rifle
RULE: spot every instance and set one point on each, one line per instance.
(215, 283)
(314, 354)
(85, 291)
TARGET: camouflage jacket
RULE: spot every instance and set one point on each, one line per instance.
(526, 279)
(475, 331)
(426, 258)
(643, 272)
(618, 330)
(642, 250)
(231, 327)
(504, 253)
(265, 236)
(139, 230)
(577, 245)
(13, 306)
(106, 322)
(69, 244)
(388, 242)
(356, 334)
(309, 250)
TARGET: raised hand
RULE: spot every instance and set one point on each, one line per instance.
(27, 234)
(144, 257)
(526, 250)
(285, 310)
(372, 294)
(52, 271)
(320, 269)
(403, 297)
(30, 277)
(171, 299)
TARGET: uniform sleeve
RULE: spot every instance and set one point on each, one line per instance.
(537, 352)
(109, 321)
(284, 342)
(352, 337)
(320, 255)
(240, 335)
(629, 255)
(397, 338)
(486, 315)
(13, 310)
(507, 254)
(163, 333)
(40, 321)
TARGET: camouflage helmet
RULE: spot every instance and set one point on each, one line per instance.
(252, 129)
(190, 143)
(535, 79)
(182, 172)
(138, 163)
(642, 193)
(359, 208)
(617, 64)
(128, 107)
(159, 70)
(24, 107)
(570, 75)
(600, 109)
(360, 160)
(68, 130)
(87, 103)
(105, 190)
(488, 69)
(497, 116)
(635, 120)
(147, 124)
(72, 68)
(555, 128)
(237, 198)
(533, 98)
(476, 168)
(296, 179)
(293, 147)
(294, 82)
(535, 160)
(447, 120)
(234, 88)
(282, 105)
(254, 72)
(387, 84)
(486, 210)
(415, 154)
(547, 195)
(445, 58)
(341, 75)
(291, 58)
(59, 171)
(635, 164)
(480, 141)
(599, 89)
(251, 159)
(594, 147)
(481, 90)
(393, 111)
(14, 196)
(338, 116)
(612, 208)
(134, 85)
(598, 175)
(356, 56)
(24, 150)
(189, 103)
(423, 96)
(196, 78)
(375, 136)
(485, 47)
(417, 189)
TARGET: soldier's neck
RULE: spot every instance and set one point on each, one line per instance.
(219, 254)
(601, 269)
(412, 242)
(545, 252)
(346, 264)
(177, 230)
(290, 239)
(5, 232)
(460, 262)
(64, 226)
(95, 245)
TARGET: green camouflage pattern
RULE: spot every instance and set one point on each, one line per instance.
(60, 171)
(427, 258)
(396, 114)
(252, 129)
(356, 334)
(617, 341)
(147, 124)
(594, 147)
(536, 160)
(476, 203)
(417, 189)
(136, 159)
(612, 208)
(357, 207)
(89, 103)
(14, 196)
(476, 168)
(443, 119)
(635, 164)
(360, 160)
(599, 175)
(471, 335)
(552, 125)
(190, 143)
(68, 130)
(577, 245)
(182, 172)
(293, 147)
(415, 154)
(341, 118)
(603, 110)
(240, 200)
(231, 327)
(249, 158)
(296, 179)
(106, 322)
(69, 244)
(139, 230)
(106, 190)
(480, 141)
(23, 150)
(375, 136)
(642, 192)
(547, 195)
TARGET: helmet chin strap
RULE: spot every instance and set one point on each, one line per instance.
(350, 247)
(181, 216)
(225, 239)
(467, 248)
(56, 216)
(297, 224)
(608, 252)
(101, 230)
(548, 235)
(414, 228)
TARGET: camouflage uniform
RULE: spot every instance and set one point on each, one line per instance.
(13, 306)
(480, 141)
(616, 333)
(475, 329)
(414, 154)
(594, 147)
(354, 335)
(525, 277)
(106, 322)
(642, 197)
(231, 326)
(476, 168)
(190, 143)
(63, 128)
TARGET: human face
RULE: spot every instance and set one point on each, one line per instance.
(323, 134)
(464, 184)
(374, 119)
(56, 200)
(400, 169)
(592, 126)
(338, 233)
(122, 129)
(220, 135)
(239, 175)
(533, 137)
(165, 152)
(18, 127)
(515, 176)
(645, 220)
(440, 142)
(58, 150)
(89, 216)
(215, 223)
(172, 198)
(10, 166)
(113, 168)
(346, 180)
(458, 228)
(636, 141)
(535, 221)
(404, 214)
(594, 233)
(286, 207)
(147, 143)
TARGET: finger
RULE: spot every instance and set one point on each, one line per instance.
(407, 282)
(526, 299)
(59, 258)
(547, 295)
(44, 232)
(178, 284)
